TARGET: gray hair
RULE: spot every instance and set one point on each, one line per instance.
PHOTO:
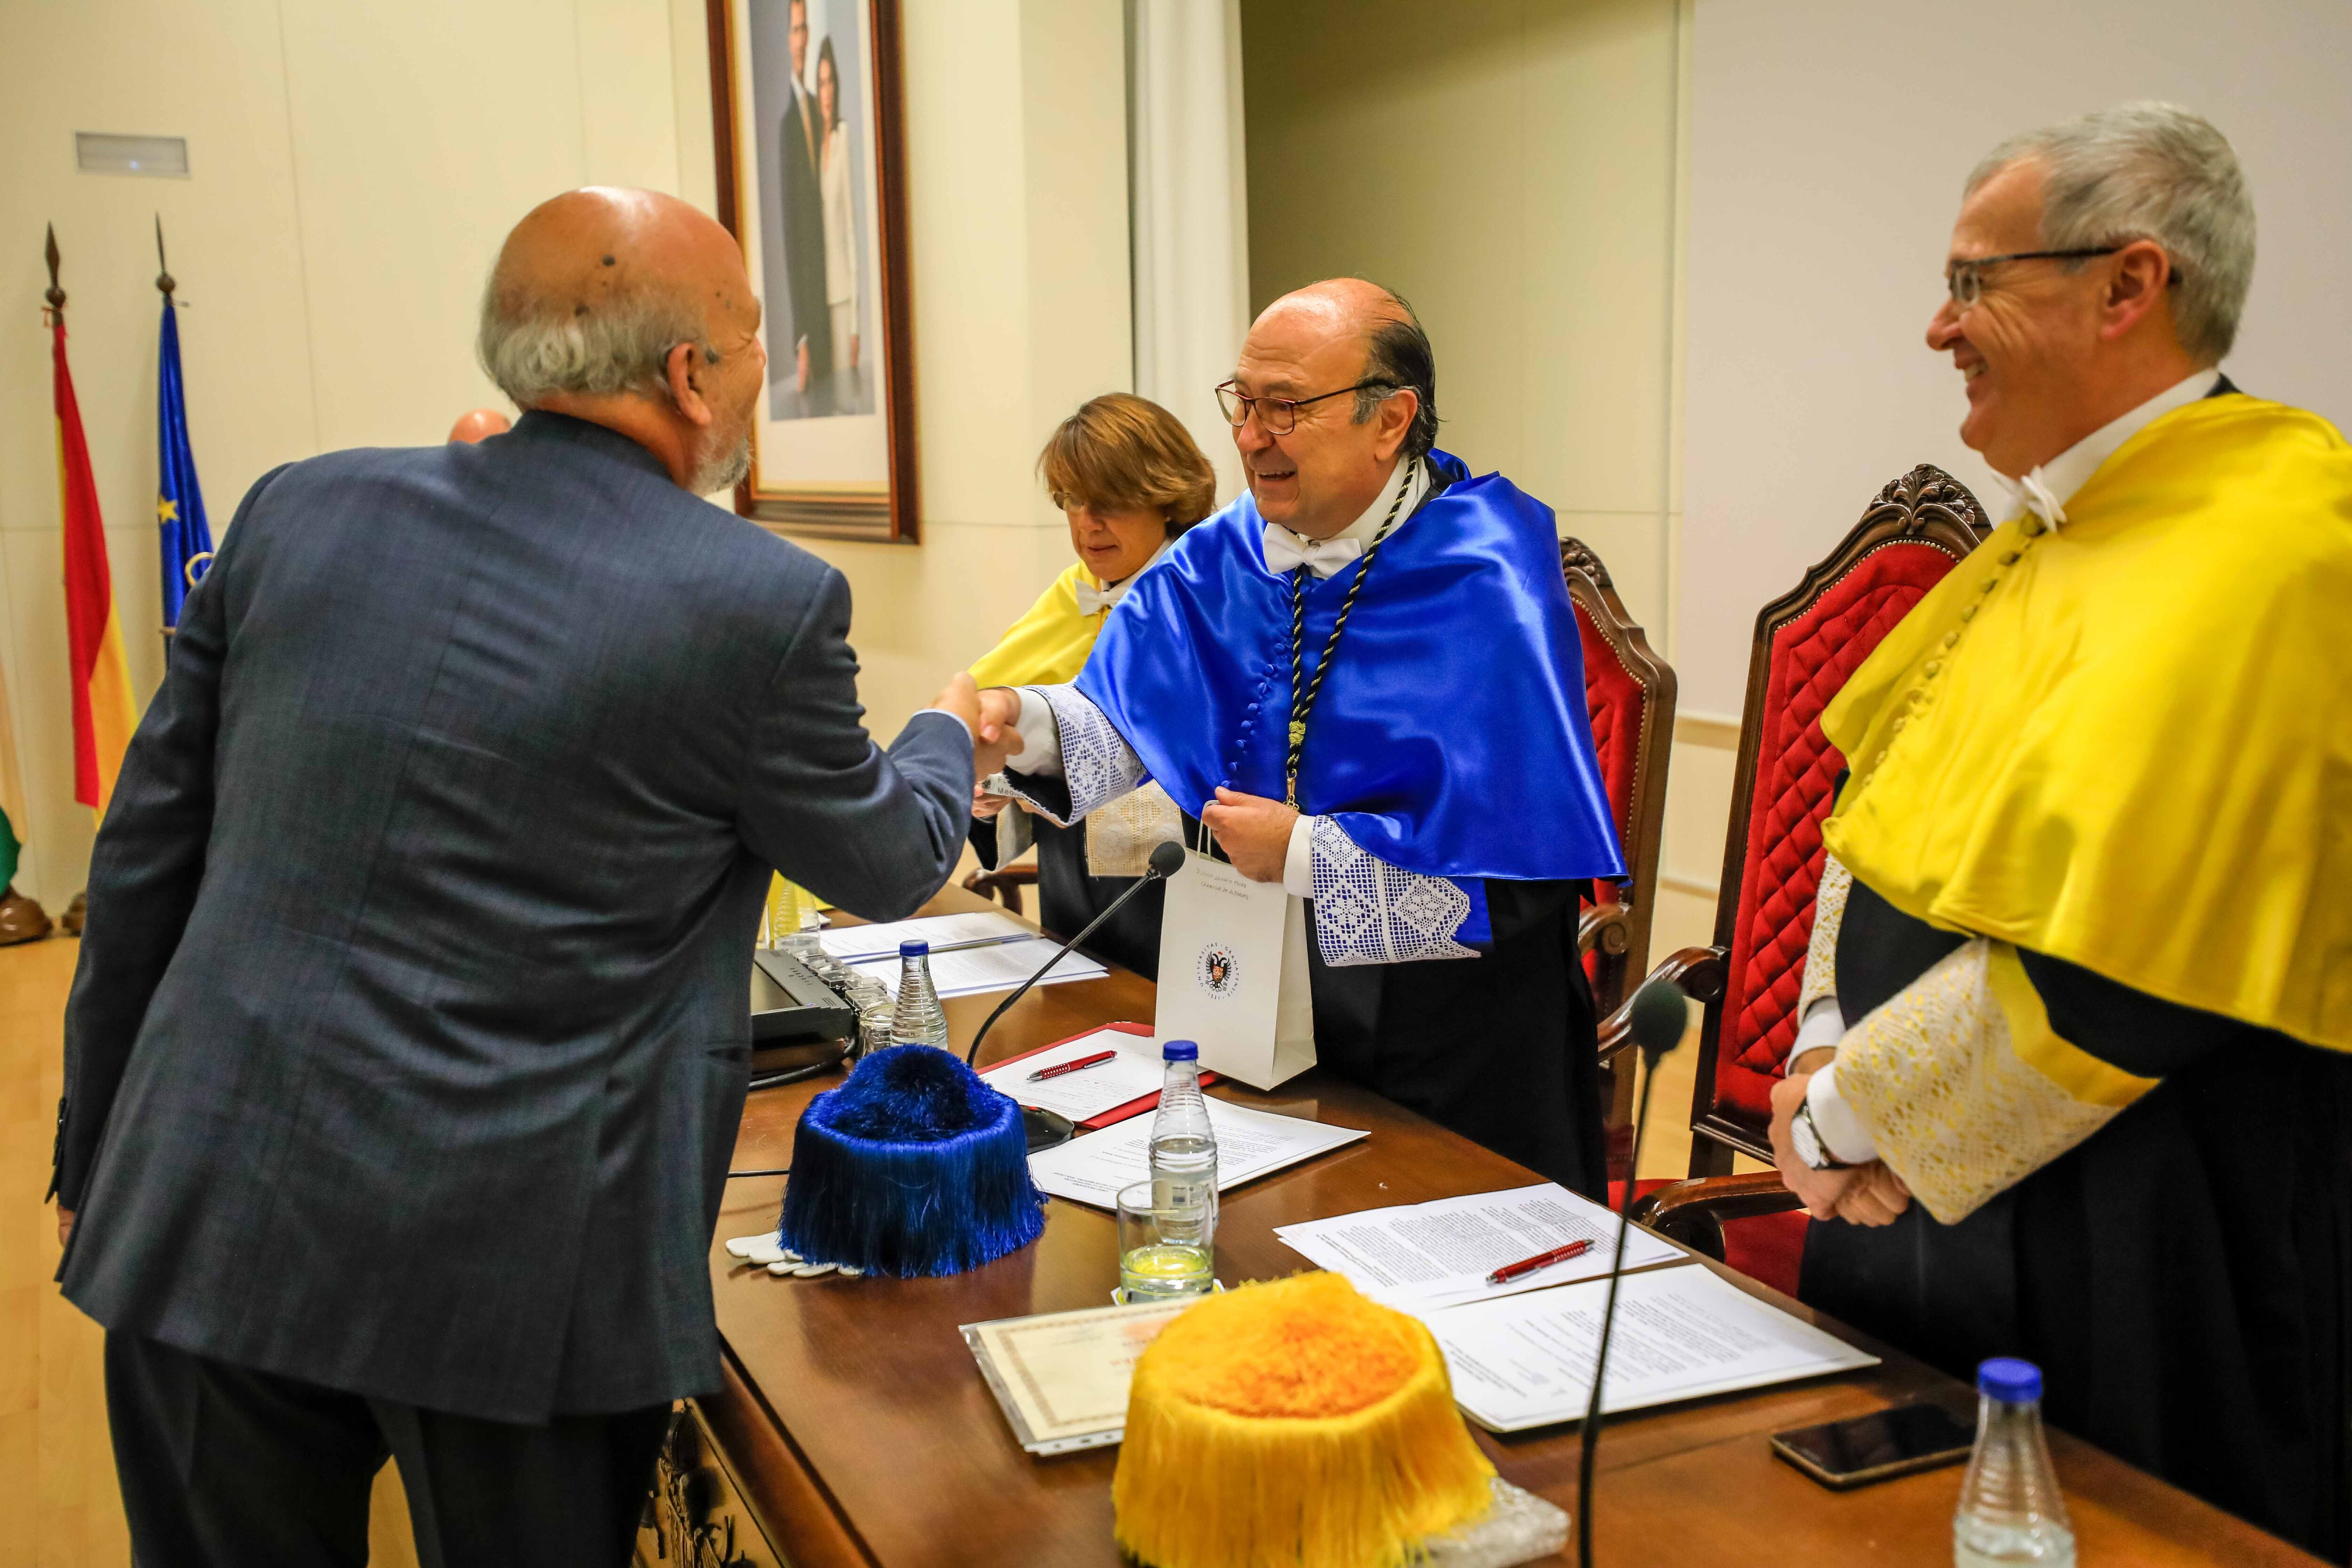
(2149, 171)
(535, 346)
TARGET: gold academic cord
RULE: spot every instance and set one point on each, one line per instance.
(1302, 704)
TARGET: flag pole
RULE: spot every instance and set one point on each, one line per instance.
(56, 296)
(166, 283)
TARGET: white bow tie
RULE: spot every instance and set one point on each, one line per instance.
(2033, 494)
(1091, 598)
(1287, 552)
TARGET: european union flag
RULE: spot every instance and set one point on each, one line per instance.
(187, 539)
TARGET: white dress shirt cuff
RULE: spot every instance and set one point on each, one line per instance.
(1823, 1026)
(1298, 864)
(1841, 1133)
(1040, 737)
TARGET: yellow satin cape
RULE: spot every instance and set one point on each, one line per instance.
(2126, 742)
(1049, 645)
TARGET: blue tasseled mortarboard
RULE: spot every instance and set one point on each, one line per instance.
(913, 1166)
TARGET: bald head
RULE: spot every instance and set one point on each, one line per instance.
(480, 425)
(1342, 305)
(597, 249)
(630, 308)
(1341, 335)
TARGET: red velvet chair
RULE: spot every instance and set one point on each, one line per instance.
(1629, 696)
(1807, 642)
(1629, 693)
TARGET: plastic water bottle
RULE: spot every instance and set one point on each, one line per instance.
(2011, 1509)
(1183, 1144)
(918, 1019)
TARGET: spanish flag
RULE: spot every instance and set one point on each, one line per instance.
(103, 714)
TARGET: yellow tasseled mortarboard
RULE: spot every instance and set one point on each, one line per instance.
(1295, 1424)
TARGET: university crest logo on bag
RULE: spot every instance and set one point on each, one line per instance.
(1219, 970)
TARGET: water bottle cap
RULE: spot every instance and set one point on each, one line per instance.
(915, 950)
(1179, 1051)
(2008, 1378)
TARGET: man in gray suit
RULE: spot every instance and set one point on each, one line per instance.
(405, 1059)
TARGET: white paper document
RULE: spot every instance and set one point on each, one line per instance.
(1250, 1144)
(972, 969)
(1421, 1257)
(1681, 1333)
(850, 944)
(1136, 1071)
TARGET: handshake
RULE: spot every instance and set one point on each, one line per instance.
(990, 715)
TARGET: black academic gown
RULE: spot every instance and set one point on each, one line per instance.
(1502, 1049)
(2183, 1277)
(1067, 897)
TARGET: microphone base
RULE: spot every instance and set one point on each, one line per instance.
(1047, 1129)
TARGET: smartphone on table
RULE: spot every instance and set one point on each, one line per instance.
(1878, 1447)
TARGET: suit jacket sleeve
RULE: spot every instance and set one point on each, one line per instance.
(875, 832)
(145, 868)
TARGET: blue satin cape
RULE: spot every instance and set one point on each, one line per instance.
(1451, 737)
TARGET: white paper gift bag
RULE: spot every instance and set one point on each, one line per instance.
(1233, 974)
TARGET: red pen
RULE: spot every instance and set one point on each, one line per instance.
(1094, 1060)
(1510, 1271)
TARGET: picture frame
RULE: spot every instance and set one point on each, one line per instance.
(808, 109)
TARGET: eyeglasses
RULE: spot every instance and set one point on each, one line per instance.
(1965, 279)
(1279, 415)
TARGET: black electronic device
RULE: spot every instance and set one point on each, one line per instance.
(802, 1023)
(1887, 1443)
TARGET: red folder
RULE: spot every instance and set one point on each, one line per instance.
(1116, 1113)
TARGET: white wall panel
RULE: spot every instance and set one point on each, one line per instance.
(1829, 142)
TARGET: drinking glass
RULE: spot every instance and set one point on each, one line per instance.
(1164, 1252)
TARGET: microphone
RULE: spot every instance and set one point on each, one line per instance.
(1045, 1128)
(1655, 1018)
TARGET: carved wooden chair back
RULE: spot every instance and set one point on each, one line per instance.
(1629, 693)
(1807, 642)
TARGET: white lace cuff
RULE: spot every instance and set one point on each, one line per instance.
(1820, 953)
(1096, 762)
(1964, 1088)
(1369, 911)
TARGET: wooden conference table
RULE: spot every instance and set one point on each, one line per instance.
(858, 1430)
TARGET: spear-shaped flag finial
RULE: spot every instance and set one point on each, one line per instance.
(164, 279)
(56, 296)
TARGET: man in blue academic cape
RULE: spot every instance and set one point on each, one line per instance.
(1364, 676)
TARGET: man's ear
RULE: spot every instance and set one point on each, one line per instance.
(683, 368)
(2137, 287)
(1398, 411)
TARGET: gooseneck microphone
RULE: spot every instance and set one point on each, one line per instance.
(1045, 1128)
(1656, 1019)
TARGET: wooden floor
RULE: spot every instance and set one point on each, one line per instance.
(56, 1474)
(58, 1505)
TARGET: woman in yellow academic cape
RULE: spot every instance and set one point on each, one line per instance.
(1129, 479)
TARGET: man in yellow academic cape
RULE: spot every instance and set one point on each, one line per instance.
(2074, 1079)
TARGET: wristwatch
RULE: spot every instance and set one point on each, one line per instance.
(1806, 1139)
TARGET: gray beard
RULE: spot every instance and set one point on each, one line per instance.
(723, 471)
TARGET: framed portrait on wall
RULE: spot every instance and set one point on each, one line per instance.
(810, 116)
